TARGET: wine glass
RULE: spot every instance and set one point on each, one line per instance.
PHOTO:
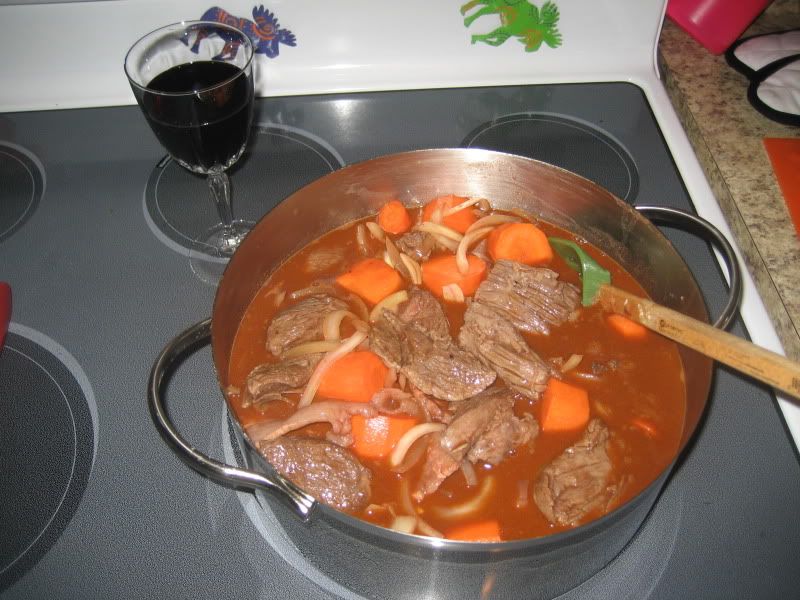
(194, 83)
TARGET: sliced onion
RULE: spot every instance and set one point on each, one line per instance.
(333, 321)
(469, 473)
(345, 347)
(426, 529)
(375, 508)
(397, 263)
(452, 292)
(409, 437)
(439, 230)
(492, 221)
(412, 457)
(524, 215)
(444, 242)
(455, 511)
(361, 238)
(310, 348)
(406, 503)
(357, 304)
(466, 204)
(413, 268)
(404, 524)
(573, 361)
(375, 230)
(465, 243)
(391, 302)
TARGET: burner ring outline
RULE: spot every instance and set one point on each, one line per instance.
(33, 167)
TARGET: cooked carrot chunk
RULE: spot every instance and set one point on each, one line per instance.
(477, 531)
(458, 221)
(565, 407)
(355, 377)
(522, 242)
(371, 279)
(394, 218)
(442, 270)
(376, 437)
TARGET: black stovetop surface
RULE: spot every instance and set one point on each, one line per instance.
(93, 225)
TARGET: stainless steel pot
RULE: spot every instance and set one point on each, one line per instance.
(376, 562)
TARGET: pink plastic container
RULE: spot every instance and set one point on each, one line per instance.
(716, 24)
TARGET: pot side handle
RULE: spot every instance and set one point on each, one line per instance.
(199, 334)
(707, 231)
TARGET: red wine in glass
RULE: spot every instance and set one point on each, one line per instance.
(194, 84)
(203, 130)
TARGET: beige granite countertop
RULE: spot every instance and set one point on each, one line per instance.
(727, 132)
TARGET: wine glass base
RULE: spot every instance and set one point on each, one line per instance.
(209, 254)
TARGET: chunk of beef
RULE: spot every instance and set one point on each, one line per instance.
(442, 369)
(499, 345)
(438, 411)
(421, 349)
(421, 311)
(328, 472)
(425, 312)
(483, 429)
(417, 244)
(502, 435)
(268, 381)
(487, 427)
(473, 417)
(385, 340)
(439, 465)
(301, 322)
(578, 480)
(532, 299)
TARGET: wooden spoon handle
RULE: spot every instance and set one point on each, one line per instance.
(764, 365)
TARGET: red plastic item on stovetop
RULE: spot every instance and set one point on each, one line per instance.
(5, 310)
(715, 23)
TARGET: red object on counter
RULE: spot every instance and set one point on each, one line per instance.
(784, 155)
(5, 310)
(715, 23)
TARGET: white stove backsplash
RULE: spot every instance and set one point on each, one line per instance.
(69, 55)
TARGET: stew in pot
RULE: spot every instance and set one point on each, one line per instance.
(432, 370)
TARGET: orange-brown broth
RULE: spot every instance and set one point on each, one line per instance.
(649, 388)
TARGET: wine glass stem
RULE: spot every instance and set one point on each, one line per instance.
(220, 187)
